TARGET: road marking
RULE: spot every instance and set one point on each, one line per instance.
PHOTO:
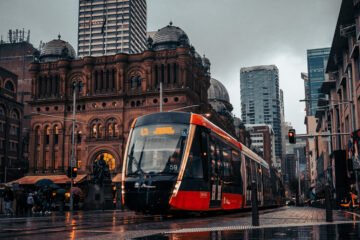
(248, 227)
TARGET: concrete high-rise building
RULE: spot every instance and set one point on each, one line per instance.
(108, 27)
(260, 99)
(317, 61)
(262, 138)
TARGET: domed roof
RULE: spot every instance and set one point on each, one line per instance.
(57, 49)
(170, 37)
(217, 91)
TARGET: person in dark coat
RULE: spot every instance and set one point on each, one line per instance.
(8, 198)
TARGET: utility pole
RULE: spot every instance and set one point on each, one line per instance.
(161, 93)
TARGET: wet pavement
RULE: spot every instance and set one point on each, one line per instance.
(280, 223)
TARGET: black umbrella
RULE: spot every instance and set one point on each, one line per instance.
(43, 182)
(54, 186)
(61, 191)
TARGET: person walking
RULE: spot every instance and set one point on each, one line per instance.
(30, 203)
(8, 198)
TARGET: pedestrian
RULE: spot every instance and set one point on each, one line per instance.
(30, 203)
(8, 198)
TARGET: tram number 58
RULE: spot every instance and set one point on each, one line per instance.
(144, 131)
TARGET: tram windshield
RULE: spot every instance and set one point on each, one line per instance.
(156, 149)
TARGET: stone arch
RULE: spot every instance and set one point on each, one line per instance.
(15, 114)
(10, 85)
(133, 75)
(96, 127)
(76, 77)
(94, 153)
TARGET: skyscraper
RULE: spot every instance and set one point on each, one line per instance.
(317, 61)
(260, 100)
(108, 27)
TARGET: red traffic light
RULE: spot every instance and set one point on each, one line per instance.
(291, 135)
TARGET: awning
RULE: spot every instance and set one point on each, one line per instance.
(117, 178)
(59, 179)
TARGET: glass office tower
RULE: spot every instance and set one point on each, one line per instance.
(260, 99)
(317, 61)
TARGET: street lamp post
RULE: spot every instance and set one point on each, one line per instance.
(72, 158)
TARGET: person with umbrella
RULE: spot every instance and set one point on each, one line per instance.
(76, 191)
(60, 195)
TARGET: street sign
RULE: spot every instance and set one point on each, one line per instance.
(73, 162)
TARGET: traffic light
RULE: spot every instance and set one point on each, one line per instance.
(292, 137)
(72, 170)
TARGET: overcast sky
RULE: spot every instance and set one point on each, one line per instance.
(231, 33)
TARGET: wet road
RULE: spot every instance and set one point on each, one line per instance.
(281, 223)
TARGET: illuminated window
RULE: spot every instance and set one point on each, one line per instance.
(116, 130)
(56, 135)
(94, 131)
(109, 159)
(100, 130)
(78, 155)
(110, 130)
(47, 136)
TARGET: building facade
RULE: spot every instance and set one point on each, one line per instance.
(116, 90)
(260, 99)
(317, 60)
(112, 26)
(12, 164)
(262, 138)
(340, 115)
(16, 56)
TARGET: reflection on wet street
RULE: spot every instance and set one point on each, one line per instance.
(336, 231)
(280, 223)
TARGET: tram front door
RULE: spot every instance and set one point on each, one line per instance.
(215, 177)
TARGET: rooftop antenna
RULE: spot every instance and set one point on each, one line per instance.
(10, 36)
(28, 36)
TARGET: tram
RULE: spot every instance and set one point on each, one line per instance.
(181, 161)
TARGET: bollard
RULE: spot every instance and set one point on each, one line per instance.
(254, 204)
(329, 217)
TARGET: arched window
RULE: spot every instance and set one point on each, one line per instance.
(15, 114)
(133, 82)
(9, 86)
(96, 80)
(78, 137)
(168, 73)
(47, 136)
(175, 73)
(162, 73)
(116, 129)
(110, 131)
(113, 78)
(100, 129)
(37, 136)
(109, 159)
(107, 83)
(139, 81)
(94, 132)
(56, 135)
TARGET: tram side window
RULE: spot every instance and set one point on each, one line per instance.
(194, 168)
(236, 167)
(212, 153)
(227, 166)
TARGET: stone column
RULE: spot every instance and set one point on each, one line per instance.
(32, 150)
(51, 150)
